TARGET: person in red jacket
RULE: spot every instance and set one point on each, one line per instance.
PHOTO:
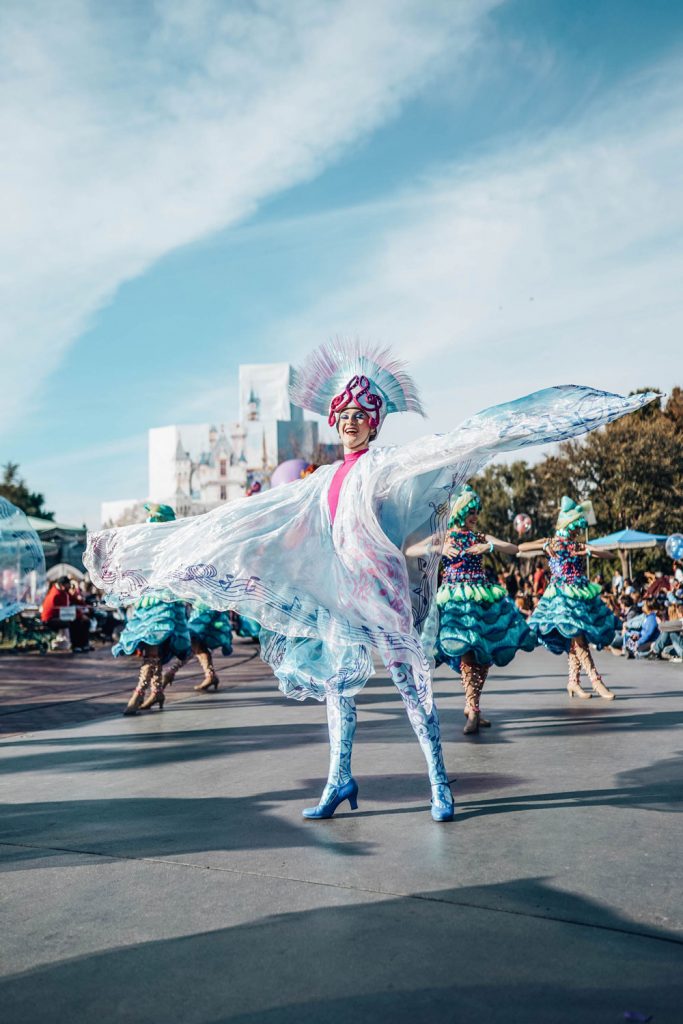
(60, 596)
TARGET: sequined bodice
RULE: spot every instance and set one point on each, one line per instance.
(565, 564)
(464, 568)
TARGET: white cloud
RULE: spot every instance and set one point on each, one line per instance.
(553, 261)
(131, 130)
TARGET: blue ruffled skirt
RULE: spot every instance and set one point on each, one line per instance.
(560, 616)
(493, 629)
(161, 624)
(248, 628)
(212, 629)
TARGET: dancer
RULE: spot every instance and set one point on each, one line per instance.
(208, 629)
(319, 563)
(571, 614)
(156, 631)
(479, 625)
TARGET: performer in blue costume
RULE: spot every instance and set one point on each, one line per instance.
(479, 625)
(320, 564)
(22, 561)
(209, 629)
(571, 615)
(156, 631)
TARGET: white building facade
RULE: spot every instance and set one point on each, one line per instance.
(196, 467)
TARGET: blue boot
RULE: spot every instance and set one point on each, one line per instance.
(341, 786)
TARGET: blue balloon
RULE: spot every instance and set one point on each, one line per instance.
(674, 547)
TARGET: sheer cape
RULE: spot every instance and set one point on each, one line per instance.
(328, 596)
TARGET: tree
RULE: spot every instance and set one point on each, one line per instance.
(15, 490)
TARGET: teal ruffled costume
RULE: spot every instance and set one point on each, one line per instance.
(247, 628)
(475, 615)
(569, 610)
(211, 628)
(156, 623)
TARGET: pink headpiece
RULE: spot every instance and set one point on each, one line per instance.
(357, 392)
(340, 374)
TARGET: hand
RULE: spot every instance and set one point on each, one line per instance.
(479, 549)
(449, 549)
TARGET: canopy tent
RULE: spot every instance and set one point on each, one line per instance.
(64, 569)
(626, 541)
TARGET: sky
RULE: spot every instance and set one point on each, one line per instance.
(492, 188)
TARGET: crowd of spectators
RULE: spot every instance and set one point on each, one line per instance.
(649, 607)
(75, 613)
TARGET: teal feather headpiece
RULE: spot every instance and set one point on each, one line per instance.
(466, 501)
(159, 513)
(572, 516)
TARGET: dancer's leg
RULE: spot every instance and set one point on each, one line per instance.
(574, 687)
(588, 665)
(341, 724)
(172, 669)
(206, 661)
(138, 694)
(156, 681)
(473, 679)
(426, 728)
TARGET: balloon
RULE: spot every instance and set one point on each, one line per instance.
(674, 547)
(287, 472)
(522, 523)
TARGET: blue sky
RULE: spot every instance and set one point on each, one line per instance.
(493, 188)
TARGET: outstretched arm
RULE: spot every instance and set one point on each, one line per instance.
(503, 546)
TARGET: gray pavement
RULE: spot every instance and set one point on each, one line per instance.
(158, 869)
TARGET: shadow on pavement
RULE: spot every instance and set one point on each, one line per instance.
(439, 958)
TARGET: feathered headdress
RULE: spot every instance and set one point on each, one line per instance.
(466, 501)
(159, 513)
(343, 373)
(572, 515)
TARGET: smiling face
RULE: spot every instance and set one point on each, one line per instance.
(471, 520)
(353, 427)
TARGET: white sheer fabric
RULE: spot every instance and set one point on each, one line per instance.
(327, 595)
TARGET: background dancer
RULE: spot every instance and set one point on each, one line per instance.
(208, 630)
(156, 631)
(479, 625)
(319, 563)
(571, 614)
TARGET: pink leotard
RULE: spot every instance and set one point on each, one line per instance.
(338, 479)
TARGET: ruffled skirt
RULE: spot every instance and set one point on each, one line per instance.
(159, 624)
(212, 629)
(479, 619)
(564, 613)
(247, 628)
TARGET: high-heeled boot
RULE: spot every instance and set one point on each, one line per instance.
(210, 678)
(470, 682)
(172, 670)
(138, 694)
(479, 673)
(156, 683)
(426, 728)
(574, 688)
(341, 785)
(586, 660)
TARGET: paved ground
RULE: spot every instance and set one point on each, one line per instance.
(158, 869)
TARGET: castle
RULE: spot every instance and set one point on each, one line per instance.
(196, 467)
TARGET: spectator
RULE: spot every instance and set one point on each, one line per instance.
(659, 584)
(669, 644)
(59, 596)
(617, 583)
(639, 644)
(540, 581)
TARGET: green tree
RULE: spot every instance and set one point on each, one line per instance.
(15, 490)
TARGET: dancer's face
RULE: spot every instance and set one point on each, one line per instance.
(354, 429)
(471, 520)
